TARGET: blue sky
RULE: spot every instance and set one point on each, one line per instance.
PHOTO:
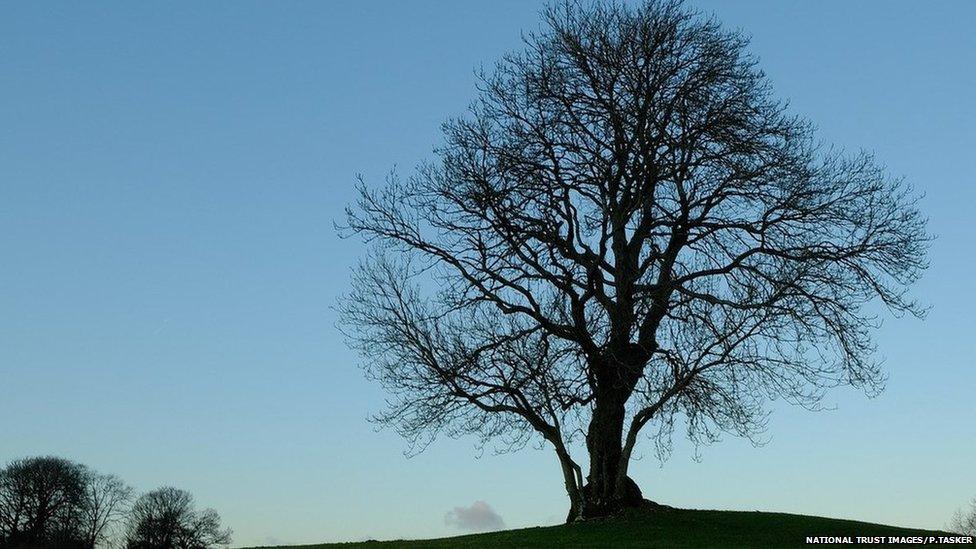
(169, 178)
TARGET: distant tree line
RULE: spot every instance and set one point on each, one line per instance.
(964, 521)
(55, 503)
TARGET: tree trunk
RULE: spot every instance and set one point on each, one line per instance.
(573, 479)
(608, 489)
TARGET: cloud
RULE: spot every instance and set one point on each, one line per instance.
(479, 517)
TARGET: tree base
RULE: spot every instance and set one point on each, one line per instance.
(594, 509)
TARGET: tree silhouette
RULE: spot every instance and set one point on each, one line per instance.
(41, 500)
(964, 520)
(627, 232)
(166, 518)
(55, 502)
(105, 506)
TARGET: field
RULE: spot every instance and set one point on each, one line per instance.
(662, 528)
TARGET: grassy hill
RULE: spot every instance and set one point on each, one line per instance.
(661, 528)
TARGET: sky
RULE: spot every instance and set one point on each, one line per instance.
(170, 174)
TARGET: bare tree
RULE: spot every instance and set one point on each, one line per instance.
(40, 502)
(626, 232)
(105, 506)
(51, 501)
(964, 520)
(166, 518)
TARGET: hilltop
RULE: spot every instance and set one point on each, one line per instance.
(662, 528)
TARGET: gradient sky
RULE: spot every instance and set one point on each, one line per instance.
(169, 177)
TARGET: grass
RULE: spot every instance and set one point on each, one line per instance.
(660, 528)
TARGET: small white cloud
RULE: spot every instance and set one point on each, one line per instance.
(479, 517)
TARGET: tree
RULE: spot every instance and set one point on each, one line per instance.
(964, 521)
(51, 501)
(166, 519)
(40, 503)
(627, 232)
(104, 507)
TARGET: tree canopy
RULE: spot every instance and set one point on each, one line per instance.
(627, 229)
